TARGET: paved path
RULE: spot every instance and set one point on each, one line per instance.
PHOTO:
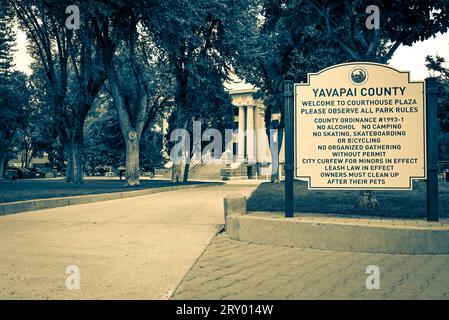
(136, 248)
(231, 269)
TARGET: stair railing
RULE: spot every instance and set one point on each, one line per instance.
(200, 163)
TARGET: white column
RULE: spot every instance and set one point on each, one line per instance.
(241, 133)
(250, 133)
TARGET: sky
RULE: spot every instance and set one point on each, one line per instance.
(413, 58)
(405, 58)
(22, 59)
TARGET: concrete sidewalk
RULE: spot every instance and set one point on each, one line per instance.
(231, 269)
(136, 248)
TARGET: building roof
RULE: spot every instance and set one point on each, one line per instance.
(237, 85)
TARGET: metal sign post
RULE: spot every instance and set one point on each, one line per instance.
(289, 147)
(432, 149)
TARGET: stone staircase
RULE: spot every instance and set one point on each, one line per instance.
(207, 169)
(239, 172)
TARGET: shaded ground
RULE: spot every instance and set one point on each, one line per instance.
(231, 269)
(54, 188)
(134, 248)
(270, 197)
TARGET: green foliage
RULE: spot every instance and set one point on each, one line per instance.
(14, 98)
(13, 90)
(7, 40)
(288, 44)
(402, 22)
(202, 40)
(68, 71)
(104, 144)
(302, 36)
(175, 55)
(437, 65)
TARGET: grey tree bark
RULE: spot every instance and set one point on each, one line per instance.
(185, 178)
(75, 171)
(2, 167)
(132, 162)
(275, 173)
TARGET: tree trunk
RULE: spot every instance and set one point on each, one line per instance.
(68, 170)
(23, 160)
(186, 172)
(29, 157)
(2, 167)
(367, 201)
(275, 177)
(176, 173)
(132, 162)
(75, 172)
(275, 173)
(178, 156)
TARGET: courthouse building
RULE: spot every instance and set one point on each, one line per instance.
(251, 156)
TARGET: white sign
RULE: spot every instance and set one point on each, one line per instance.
(360, 126)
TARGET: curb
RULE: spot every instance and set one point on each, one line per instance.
(292, 232)
(172, 293)
(337, 233)
(40, 204)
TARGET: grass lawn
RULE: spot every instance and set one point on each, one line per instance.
(54, 188)
(270, 197)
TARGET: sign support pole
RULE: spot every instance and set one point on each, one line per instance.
(432, 149)
(289, 147)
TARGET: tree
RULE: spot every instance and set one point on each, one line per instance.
(35, 137)
(105, 146)
(7, 41)
(71, 70)
(287, 44)
(297, 37)
(401, 22)
(201, 40)
(437, 65)
(134, 68)
(14, 95)
(207, 102)
(23, 146)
